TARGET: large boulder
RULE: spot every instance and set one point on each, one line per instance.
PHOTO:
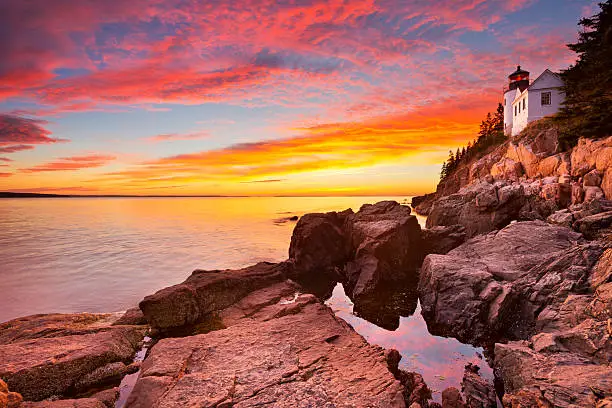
(378, 245)
(206, 292)
(575, 341)
(479, 208)
(468, 293)
(441, 239)
(507, 169)
(590, 154)
(292, 351)
(387, 242)
(320, 242)
(46, 355)
(594, 225)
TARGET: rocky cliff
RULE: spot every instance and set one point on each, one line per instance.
(525, 178)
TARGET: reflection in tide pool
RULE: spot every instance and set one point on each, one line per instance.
(439, 360)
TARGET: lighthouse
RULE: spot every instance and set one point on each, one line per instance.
(518, 82)
(526, 101)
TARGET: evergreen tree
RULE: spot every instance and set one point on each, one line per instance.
(587, 109)
(498, 120)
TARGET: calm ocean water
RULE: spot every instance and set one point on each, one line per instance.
(106, 254)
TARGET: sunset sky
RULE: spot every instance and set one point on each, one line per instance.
(258, 97)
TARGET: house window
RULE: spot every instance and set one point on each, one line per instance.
(545, 98)
(515, 110)
(524, 101)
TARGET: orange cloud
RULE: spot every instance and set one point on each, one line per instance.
(427, 130)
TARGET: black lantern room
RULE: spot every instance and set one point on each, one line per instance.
(519, 79)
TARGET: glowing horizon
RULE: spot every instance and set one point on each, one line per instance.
(258, 97)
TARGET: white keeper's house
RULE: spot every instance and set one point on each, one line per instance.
(526, 101)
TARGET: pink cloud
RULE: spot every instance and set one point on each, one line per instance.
(20, 130)
(72, 163)
(178, 136)
(15, 148)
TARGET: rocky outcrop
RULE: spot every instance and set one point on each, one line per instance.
(293, 352)
(367, 250)
(479, 208)
(573, 336)
(67, 403)
(206, 292)
(378, 245)
(494, 285)
(478, 392)
(46, 355)
(320, 243)
(535, 372)
(387, 248)
(441, 239)
(551, 180)
(9, 399)
(422, 204)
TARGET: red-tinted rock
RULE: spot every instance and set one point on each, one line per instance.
(45, 355)
(206, 292)
(277, 349)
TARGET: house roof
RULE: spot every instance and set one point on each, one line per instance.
(546, 72)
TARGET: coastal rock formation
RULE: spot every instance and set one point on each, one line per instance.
(479, 208)
(207, 292)
(46, 355)
(386, 241)
(67, 403)
(441, 239)
(534, 161)
(478, 392)
(573, 336)
(478, 291)
(320, 243)
(293, 352)
(9, 399)
(379, 244)
(422, 204)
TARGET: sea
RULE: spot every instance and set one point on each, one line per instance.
(104, 254)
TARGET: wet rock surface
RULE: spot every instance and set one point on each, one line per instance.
(293, 351)
(46, 355)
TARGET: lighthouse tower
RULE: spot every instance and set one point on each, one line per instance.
(518, 82)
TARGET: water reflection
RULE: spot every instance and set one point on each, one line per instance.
(105, 254)
(440, 360)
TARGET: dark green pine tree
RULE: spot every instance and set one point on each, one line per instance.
(498, 119)
(443, 172)
(588, 83)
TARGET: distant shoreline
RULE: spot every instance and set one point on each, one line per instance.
(8, 194)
